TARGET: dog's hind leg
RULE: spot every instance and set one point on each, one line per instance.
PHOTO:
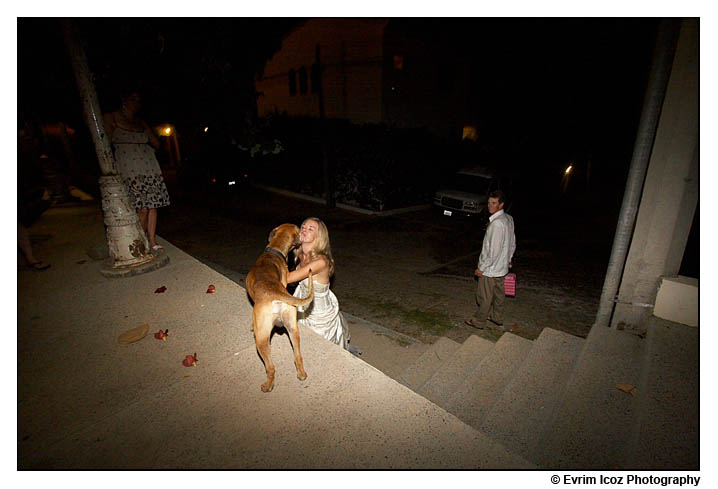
(262, 332)
(289, 318)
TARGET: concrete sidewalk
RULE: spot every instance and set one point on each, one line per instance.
(87, 402)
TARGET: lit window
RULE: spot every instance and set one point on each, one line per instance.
(471, 133)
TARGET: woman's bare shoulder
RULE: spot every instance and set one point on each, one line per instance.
(319, 259)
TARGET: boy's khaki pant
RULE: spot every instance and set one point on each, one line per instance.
(490, 297)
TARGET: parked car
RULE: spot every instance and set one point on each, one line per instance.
(466, 192)
(217, 169)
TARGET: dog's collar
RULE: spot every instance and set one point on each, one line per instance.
(276, 252)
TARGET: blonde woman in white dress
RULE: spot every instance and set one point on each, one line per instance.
(322, 315)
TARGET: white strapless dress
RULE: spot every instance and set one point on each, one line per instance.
(322, 315)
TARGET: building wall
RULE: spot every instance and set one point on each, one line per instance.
(670, 193)
(373, 71)
(429, 90)
(351, 56)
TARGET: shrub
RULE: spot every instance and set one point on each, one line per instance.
(373, 166)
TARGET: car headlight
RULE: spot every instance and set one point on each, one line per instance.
(471, 205)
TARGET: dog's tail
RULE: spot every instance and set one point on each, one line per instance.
(308, 299)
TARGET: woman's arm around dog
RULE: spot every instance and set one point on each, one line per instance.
(318, 267)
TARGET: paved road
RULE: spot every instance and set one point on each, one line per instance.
(411, 272)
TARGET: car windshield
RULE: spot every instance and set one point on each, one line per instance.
(468, 183)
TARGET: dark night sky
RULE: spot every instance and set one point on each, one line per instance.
(558, 89)
(172, 60)
(575, 84)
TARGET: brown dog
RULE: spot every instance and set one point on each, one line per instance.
(267, 286)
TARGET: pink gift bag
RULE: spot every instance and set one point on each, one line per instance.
(510, 284)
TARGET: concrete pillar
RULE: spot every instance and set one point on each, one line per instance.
(670, 194)
(127, 242)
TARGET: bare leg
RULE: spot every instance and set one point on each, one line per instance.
(23, 241)
(152, 226)
(143, 218)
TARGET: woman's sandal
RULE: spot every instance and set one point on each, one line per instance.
(158, 247)
(38, 266)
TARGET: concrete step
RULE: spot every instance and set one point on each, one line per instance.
(591, 428)
(666, 427)
(518, 418)
(429, 362)
(447, 379)
(479, 391)
(383, 348)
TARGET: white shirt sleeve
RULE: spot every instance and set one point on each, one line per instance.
(512, 242)
(498, 248)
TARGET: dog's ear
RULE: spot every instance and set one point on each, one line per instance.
(271, 235)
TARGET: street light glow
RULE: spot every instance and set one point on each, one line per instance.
(568, 170)
(164, 129)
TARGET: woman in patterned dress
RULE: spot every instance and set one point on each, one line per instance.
(134, 146)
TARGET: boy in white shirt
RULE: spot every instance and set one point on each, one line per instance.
(494, 263)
